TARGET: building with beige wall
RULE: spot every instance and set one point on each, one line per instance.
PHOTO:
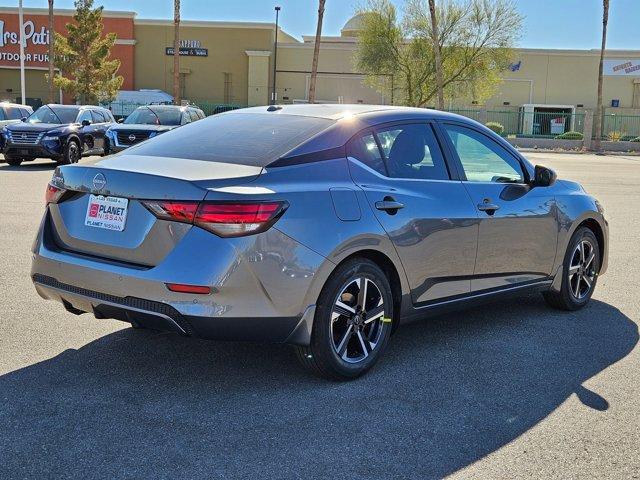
(232, 63)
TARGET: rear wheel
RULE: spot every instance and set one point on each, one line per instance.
(579, 272)
(352, 322)
(71, 153)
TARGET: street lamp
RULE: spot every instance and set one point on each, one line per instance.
(275, 58)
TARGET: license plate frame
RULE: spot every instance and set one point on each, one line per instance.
(107, 212)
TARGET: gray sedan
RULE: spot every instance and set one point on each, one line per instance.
(321, 226)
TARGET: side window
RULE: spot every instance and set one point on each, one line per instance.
(3, 116)
(412, 151)
(186, 118)
(14, 113)
(24, 112)
(201, 114)
(98, 117)
(84, 115)
(483, 160)
(193, 115)
(365, 149)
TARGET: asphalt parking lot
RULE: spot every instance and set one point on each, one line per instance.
(510, 390)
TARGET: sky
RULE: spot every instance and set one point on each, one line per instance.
(547, 23)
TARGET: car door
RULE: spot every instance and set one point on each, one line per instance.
(99, 129)
(518, 224)
(86, 132)
(426, 213)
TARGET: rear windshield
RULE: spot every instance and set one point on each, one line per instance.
(239, 138)
(152, 116)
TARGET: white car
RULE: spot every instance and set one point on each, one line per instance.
(13, 113)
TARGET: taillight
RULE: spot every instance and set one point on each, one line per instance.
(53, 194)
(225, 219)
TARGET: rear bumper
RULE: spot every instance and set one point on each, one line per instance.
(163, 317)
(263, 286)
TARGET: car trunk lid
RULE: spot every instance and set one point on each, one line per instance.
(127, 180)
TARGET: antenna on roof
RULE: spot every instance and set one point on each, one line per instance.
(273, 108)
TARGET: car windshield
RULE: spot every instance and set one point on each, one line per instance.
(240, 138)
(58, 115)
(155, 116)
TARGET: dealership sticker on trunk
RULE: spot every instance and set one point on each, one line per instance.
(106, 212)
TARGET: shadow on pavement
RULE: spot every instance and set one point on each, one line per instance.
(28, 166)
(449, 391)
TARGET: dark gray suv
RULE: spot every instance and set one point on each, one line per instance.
(321, 226)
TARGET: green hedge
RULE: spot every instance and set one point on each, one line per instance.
(570, 136)
(496, 127)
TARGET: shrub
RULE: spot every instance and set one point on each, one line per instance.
(637, 140)
(570, 136)
(614, 136)
(496, 127)
(627, 138)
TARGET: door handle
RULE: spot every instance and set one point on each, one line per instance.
(389, 205)
(488, 207)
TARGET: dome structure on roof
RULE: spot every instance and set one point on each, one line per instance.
(353, 26)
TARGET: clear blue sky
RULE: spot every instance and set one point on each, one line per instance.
(548, 23)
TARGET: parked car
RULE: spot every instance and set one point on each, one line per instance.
(321, 226)
(147, 122)
(63, 133)
(13, 113)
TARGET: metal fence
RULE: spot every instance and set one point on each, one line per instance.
(529, 124)
(124, 109)
(620, 127)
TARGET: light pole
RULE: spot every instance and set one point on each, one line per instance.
(22, 86)
(275, 59)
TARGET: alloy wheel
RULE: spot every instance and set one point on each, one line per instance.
(73, 153)
(582, 269)
(357, 320)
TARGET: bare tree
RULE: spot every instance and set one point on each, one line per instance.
(599, 110)
(316, 53)
(51, 53)
(437, 54)
(176, 52)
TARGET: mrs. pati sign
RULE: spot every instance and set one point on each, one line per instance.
(622, 67)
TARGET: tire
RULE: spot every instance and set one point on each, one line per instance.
(579, 272)
(72, 153)
(342, 329)
(13, 161)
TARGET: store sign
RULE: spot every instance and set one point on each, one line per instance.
(36, 41)
(189, 52)
(32, 35)
(622, 67)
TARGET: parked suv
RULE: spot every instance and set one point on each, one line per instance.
(147, 122)
(63, 133)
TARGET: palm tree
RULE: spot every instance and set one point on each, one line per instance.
(599, 110)
(176, 52)
(316, 53)
(437, 53)
(51, 50)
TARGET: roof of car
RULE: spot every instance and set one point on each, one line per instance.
(340, 111)
(74, 106)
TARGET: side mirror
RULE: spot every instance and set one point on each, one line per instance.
(544, 177)
(23, 119)
(120, 120)
(86, 123)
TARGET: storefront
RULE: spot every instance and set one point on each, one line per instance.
(231, 63)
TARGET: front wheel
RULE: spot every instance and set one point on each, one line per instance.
(352, 322)
(579, 272)
(13, 161)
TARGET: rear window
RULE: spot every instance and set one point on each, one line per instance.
(239, 138)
